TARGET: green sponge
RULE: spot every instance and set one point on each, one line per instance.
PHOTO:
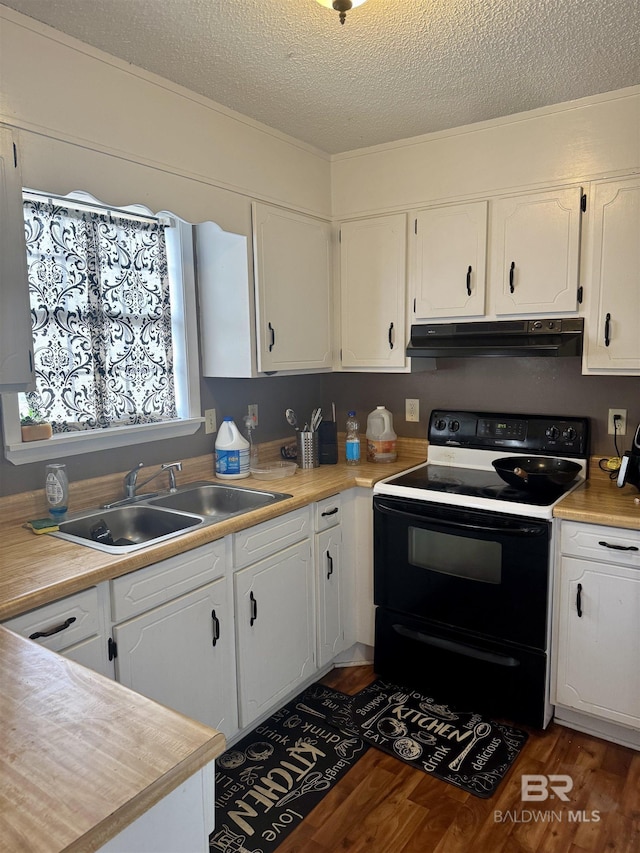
(42, 525)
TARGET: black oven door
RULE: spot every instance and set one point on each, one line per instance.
(477, 571)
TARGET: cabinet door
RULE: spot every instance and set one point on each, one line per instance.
(329, 571)
(16, 348)
(373, 291)
(74, 626)
(535, 252)
(293, 293)
(612, 277)
(450, 246)
(599, 642)
(182, 655)
(275, 629)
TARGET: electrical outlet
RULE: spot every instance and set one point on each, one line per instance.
(621, 427)
(210, 424)
(412, 410)
(252, 409)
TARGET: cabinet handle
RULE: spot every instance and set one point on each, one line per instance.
(216, 628)
(329, 512)
(618, 547)
(52, 631)
(511, 275)
(390, 335)
(469, 271)
(579, 600)
(273, 337)
(254, 608)
(330, 563)
(607, 330)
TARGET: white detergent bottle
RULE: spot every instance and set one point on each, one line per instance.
(232, 452)
(381, 439)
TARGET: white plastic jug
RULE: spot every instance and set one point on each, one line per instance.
(381, 439)
(232, 452)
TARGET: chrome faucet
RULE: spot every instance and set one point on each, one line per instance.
(131, 484)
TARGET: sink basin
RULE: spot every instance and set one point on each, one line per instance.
(217, 500)
(126, 528)
(133, 526)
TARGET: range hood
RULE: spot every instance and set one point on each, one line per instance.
(539, 338)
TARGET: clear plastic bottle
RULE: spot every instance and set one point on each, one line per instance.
(57, 490)
(381, 438)
(352, 443)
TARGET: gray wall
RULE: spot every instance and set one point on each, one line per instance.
(509, 385)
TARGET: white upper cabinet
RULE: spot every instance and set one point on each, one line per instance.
(449, 261)
(535, 252)
(612, 278)
(373, 258)
(292, 255)
(16, 348)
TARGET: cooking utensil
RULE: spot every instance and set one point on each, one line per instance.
(292, 420)
(316, 418)
(536, 473)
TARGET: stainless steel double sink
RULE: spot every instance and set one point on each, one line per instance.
(132, 526)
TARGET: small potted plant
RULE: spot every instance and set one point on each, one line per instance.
(33, 426)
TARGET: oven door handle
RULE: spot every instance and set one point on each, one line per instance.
(457, 648)
(460, 525)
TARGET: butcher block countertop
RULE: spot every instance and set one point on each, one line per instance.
(82, 757)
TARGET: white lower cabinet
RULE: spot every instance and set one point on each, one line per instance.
(330, 578)
(598, 619)
(275, 628)
(178, 646)
(75, 626)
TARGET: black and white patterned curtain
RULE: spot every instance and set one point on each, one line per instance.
(101, 318)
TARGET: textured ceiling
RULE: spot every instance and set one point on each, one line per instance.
(397, 68)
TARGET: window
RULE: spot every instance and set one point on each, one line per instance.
(113, 323)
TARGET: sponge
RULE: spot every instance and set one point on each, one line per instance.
(41, 525)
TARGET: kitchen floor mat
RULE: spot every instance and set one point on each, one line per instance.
(462, 748)
(271, 779)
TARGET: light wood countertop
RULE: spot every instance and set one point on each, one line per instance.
(81, 756)
(600, 501)
(38, 569)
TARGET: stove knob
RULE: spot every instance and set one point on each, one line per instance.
(552, 432)
(569, 434)
(454, 426)
(440, 424)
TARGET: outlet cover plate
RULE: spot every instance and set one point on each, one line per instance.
(210, 424)
(622, 423)
(412, 410)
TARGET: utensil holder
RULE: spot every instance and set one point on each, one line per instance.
(308, 449)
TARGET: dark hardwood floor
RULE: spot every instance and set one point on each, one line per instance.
(384, 806)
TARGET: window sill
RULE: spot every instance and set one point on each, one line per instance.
(74, 443)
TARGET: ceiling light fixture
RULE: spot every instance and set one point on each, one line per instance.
(341, 6)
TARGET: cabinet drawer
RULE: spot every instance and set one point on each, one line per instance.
(612, 545)
(147, 588)
(67, 621)
(257, 542)
(327, 513)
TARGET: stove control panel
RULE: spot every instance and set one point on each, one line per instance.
(556, 436)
